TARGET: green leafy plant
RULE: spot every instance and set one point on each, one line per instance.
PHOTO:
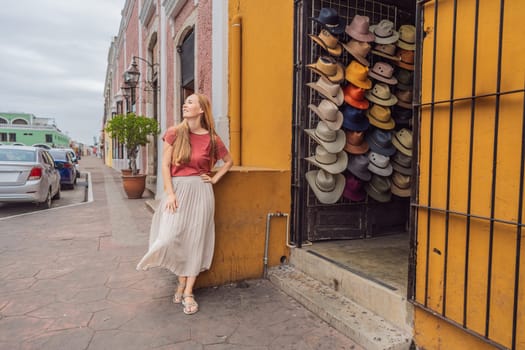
(132, 130)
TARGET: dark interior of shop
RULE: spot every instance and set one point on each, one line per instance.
(365, 237)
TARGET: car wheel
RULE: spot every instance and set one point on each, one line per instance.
(47, 202)
(58, 194)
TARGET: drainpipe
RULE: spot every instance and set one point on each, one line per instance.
(267, 238)
(236, 69)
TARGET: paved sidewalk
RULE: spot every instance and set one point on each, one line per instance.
(68, 281)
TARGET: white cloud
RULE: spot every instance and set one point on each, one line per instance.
(53, 60)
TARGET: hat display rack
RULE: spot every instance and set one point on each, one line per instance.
(360, 107)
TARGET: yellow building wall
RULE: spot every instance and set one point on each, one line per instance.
(262, 183)
(243, 199)
(266, 81)
(455, 122)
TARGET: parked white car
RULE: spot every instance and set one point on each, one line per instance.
(28, 174)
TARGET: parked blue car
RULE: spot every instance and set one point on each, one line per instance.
(66, 167)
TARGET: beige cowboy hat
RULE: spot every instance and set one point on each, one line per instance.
(332, 140)
(359, 50)
(334, 163)
(331, 91)
(328, 42)
(329, 113)
(329, 68)
(327, 187)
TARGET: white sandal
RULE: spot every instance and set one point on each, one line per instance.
(188, 306)
(177, 297)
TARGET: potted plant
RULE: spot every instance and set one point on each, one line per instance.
(133, 131)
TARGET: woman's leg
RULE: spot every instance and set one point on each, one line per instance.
(190, 305)
(177, 298)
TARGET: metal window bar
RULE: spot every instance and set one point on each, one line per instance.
(449, 155)
(492, 220)
(470, 162)
(518, 234)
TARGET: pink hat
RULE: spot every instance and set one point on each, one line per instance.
(358, 29)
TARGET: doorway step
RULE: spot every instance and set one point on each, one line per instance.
(368, 312)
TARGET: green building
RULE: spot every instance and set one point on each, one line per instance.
(26, 129)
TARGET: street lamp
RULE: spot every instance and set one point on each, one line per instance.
(132, 75)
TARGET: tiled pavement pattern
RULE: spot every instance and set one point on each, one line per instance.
(68, 281)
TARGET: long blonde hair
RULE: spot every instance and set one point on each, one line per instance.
(182, 145)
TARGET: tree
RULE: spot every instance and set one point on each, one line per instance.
(132, 130)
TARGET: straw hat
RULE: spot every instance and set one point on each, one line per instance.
(329, 113)
(359, 50)
(381, 95)
(386, 51)
(402, 140)
(329, 68)
(328, 42)
(331, 91)
(334, 163)
(381, 117)
(327, 187)
(407, 37)
(333, 141)
(401, 185)
(384, 32)
(357, 74)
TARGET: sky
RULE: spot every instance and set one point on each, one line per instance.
(53, 59)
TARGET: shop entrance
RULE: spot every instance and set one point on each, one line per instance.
(366, 236)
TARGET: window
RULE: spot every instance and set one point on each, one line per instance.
(3, 136)
(187, 58)
(49, 138)
(12, 137)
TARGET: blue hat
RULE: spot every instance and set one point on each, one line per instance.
(380, 141)
(354, 119)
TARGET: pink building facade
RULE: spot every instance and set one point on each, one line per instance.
(171, 43)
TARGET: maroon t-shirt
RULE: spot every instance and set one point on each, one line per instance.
(200, 153)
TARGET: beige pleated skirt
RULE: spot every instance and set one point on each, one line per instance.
(183, 242)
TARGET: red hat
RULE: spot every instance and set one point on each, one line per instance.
(355, 96)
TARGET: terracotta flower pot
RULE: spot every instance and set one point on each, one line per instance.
(134, 185)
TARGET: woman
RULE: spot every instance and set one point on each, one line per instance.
(182, 235)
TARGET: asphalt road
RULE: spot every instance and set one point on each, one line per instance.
(67, 197)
